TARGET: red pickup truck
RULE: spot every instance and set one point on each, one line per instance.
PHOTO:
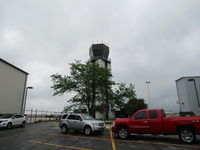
(154, 121)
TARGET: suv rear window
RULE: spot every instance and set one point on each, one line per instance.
(20, 116)
(17, 116)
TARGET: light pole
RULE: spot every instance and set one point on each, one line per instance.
(148, 82)
(26, 91)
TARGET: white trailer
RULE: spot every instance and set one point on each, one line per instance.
(188, 89)
(12, 88)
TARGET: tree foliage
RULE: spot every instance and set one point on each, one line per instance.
(126, 101)
(122, 94)
(134, 105)
(88, 81)
(91, 84)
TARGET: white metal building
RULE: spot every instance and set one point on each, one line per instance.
(188, 89)
(12, 88)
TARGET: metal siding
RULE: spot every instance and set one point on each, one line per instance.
(189, 94)
(182, 94)
(198, 89)
(24, 97)
(12, 83)
(192, 96)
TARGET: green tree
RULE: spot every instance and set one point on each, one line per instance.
(126, 101)
(122, 94)
(134, 105)
(87, 81)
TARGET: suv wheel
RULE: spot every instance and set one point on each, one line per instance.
(9, 125)
(187, 135)
(64, 129)
(87, 130)
(122, 132)
(23, 124)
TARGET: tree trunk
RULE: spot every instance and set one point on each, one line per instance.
(93, 107)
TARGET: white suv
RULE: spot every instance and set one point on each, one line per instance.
(10, 120)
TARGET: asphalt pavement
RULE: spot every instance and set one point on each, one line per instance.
(47, 136)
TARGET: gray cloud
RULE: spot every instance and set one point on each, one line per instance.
(155, 41)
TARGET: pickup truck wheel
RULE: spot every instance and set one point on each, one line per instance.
(187, 135)
(64, 129)
(122, 132)
(87, 130)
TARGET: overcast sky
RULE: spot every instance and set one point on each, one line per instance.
(149, 40)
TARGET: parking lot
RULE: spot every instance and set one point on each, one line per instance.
(47, 136)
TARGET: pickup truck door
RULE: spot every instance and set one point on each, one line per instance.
(139, 123)
(155, 122)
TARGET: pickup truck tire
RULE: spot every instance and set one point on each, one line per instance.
(122, 132)
(187, 135)
(64, 129)
(87, 130)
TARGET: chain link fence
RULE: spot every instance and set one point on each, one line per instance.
(40, 115)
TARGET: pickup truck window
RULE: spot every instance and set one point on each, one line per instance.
(141, 115)
(163, 114)
(153, 114)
